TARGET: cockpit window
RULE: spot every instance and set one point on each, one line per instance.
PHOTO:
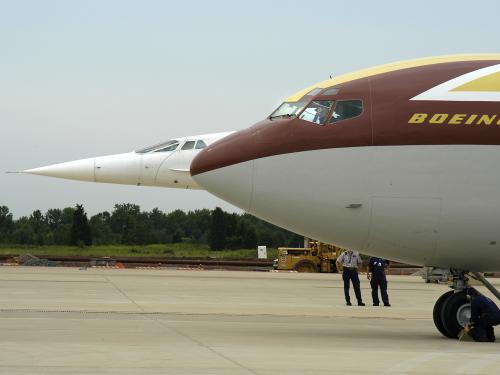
(345, 109)
(317, 111)
(314, 92)
(171, 146)
(200, 144)
(160, 147)
(288, 109)
(331, 91)
(189, 145)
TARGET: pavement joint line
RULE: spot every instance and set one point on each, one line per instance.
(410, 365)
(52, 281)
(179, 332)
(180, 313)
(124, 294)
(209, 348)
(475, 366)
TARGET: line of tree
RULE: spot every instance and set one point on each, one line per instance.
(127, 224)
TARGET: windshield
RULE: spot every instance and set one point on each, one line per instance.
(317, 111)
(170, 146)
(288, 109)
(160, 147)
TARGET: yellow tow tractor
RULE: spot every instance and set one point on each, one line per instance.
(314, 257)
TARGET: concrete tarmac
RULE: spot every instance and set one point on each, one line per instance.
(99, 321)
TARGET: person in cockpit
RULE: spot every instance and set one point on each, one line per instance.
(321, 113)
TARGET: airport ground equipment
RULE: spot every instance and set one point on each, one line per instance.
(317, 257)
(435, 274)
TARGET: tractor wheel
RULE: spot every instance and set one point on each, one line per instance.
(306, 266)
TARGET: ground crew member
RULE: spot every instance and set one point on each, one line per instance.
(484, 315)
(350, 260)
(377, 268)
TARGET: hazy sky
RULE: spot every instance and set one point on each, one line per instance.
(88, 78)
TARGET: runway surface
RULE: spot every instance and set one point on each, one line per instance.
(95, 321)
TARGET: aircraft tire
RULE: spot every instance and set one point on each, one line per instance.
(436, 313)
(306, 266)
(454, 313)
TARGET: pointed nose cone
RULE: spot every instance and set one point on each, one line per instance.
(82, 170)
(114, 169)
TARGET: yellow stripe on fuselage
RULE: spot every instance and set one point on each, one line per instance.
(487, 83)
(392, 67)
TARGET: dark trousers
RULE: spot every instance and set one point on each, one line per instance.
(483, 330)
(376, 282)
(351, 275)
(491, 319)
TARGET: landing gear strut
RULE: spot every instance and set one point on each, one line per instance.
(452, 310)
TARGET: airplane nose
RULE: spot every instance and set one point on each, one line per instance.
(233, 149)
(225, 169)
(82, 170)
(119, 169)
(266, 138)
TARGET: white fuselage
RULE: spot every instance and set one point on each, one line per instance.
(425, 205)
(154, 166)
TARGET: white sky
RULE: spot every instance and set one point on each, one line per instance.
(88, 78)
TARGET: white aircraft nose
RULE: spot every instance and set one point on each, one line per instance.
(115, 169)
(131, 168)
(82, 170)
(119, 169)
(233, 184)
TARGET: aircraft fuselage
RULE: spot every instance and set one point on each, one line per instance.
(400, 163)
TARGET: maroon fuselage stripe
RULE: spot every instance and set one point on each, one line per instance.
(385, 121)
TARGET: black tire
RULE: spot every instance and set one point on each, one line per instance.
(449, 313)
(306, 266)
(436, 313)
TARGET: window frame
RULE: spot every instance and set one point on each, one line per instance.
(185, 142)
(200, 148)
(163, 148)
(349, 118)
(318, 99)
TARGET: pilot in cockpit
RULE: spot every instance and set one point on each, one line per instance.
(321, 113)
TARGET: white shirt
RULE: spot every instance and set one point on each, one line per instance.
(350, 259)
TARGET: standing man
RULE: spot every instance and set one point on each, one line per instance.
(377, 268)
(350, 260)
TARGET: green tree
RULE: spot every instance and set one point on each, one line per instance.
(200, 221)
(23, 233)
(6, 224)
(62, 234)
(217, 234)
(121, 214)
(135, 232)
(101, 231)
(177, 237)
(39, 226)
(250, 239)
(80, 228)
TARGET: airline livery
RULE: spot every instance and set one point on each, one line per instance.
(398, 161)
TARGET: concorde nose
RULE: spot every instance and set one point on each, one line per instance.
(82, 170)
(117, 169)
